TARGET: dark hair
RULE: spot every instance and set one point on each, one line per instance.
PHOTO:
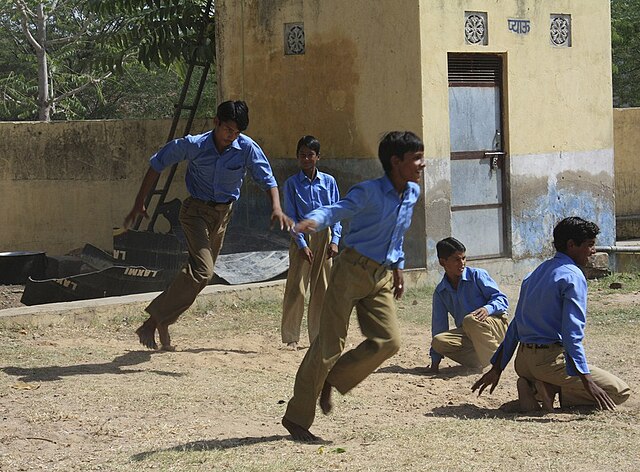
(237, 111)
(397, 143)
(448, 246)
(573, 228)
(310, 142)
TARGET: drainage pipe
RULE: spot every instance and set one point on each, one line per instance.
(627, 217)
(615, 249)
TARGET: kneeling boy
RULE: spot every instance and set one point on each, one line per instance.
(549, 325)
(477, 306)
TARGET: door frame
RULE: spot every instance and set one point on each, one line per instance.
(504, 139)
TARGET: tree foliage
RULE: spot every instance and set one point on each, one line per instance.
(42, 76)
(625, 42)
(158, 32)
(82, 59)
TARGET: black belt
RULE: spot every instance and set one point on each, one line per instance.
(212, 203)
(541, 346)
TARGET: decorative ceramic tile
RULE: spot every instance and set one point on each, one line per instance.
(560, 30)
(294, 38)
(476, 28)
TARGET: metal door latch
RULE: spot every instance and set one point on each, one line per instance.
(495, 158)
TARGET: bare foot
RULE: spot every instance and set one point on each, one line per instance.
(165, 339)
(326, 405)
(297, 432)
(547, 393)
(526, 396)
(293, 346)
(147, 334)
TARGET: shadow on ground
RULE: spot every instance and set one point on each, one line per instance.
(468, 411)
(49, 373)
(444, 373)
(211, 445)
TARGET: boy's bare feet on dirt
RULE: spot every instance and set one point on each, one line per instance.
(165, 339)
(326, 405)
(292, 345)
(526, 396)
(147, 334)
(547, 393)
(297, 432)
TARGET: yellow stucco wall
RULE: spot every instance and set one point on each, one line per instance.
(627, 168)
(351, 85)
(64, 184)
(557, 98)
(372, 66)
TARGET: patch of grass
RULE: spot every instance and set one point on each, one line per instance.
(415, 306)
(602, 317)
(630, 283)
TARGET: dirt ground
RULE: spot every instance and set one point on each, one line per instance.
(10, 296)
(88, 398)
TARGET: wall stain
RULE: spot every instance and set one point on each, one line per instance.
(542, 202)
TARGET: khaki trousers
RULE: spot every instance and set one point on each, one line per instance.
(548, 365)
(474, 343)
(204, 226)
(355, 281)
(301, 275)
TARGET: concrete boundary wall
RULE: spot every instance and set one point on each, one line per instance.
(64, 184)
(131, 307)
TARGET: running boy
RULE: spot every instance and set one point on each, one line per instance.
(477, 306)
(310, 255)
(549, 325)
(216, 165)
(367, 274)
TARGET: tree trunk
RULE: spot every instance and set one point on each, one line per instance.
(44, 105)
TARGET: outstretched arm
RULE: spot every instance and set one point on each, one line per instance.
(491, 378)
(138, 210)
(277, 215)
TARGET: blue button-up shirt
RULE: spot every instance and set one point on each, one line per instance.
(302, 195)
(214, 176)
(378, 216)
(476, 289)
(552, 309)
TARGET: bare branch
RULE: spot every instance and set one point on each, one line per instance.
(25, 27)
(24, 8)
(70, 93)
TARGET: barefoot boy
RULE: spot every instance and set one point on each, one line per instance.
(477, 306)
(310, 255)
(217, 163)
(549, 325)
(367, 274)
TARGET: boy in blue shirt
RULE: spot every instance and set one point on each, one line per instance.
(310, 255)
(366, 275)
(217, 162)
(477, 306)
(549, 325)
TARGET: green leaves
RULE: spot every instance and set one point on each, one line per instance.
(158, 32)
(105, 58)
(625, 42)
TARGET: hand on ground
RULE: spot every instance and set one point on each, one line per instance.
(491, 378)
